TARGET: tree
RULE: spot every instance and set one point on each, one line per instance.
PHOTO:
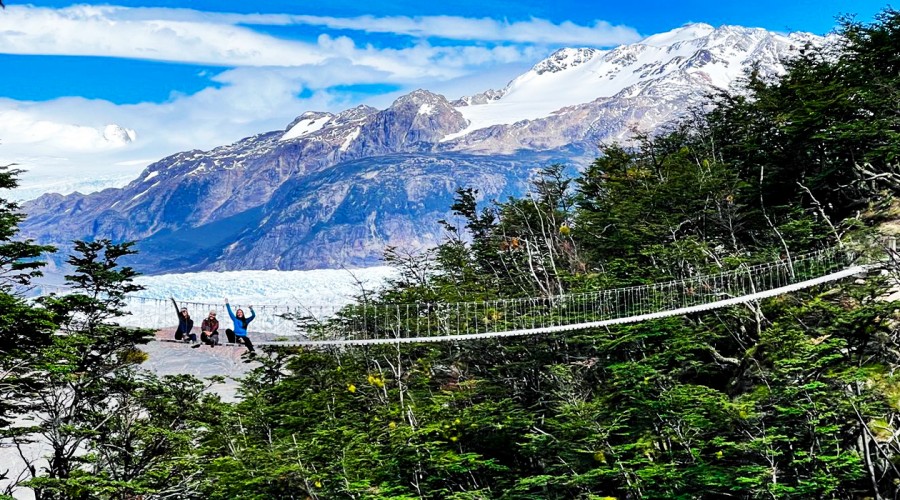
(23, 328)
(794, 396)
(19, 259)
(665, 209)
(112, 430)
(828, 127)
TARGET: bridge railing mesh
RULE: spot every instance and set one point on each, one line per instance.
(423, 320)
(364, 323)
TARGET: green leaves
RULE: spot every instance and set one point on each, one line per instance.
(110, 430)
(19, 259)
(793, 397)
(797, 396)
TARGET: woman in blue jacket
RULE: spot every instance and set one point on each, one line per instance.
(239, 334)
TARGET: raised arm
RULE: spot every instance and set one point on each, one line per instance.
(252, 314)
(177, 311)
(228, 308)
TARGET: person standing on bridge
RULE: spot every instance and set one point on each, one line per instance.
(185, 324)
(239, 334)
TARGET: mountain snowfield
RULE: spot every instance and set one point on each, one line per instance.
(573, 76)
(336, 189)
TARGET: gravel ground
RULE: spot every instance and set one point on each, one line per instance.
(170, 357)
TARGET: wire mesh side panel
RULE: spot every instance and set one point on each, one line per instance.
(425, 320)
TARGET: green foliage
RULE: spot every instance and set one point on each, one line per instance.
(102, 287)
(829, 125)
(22, 327)
(112, 431)
(520, 247)
(792, 397)
(659, 211)
(19, 259)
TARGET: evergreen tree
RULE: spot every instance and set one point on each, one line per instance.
(112, 430)
(793, 397)
(23, 328)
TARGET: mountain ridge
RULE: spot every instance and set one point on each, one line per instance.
(285, 199)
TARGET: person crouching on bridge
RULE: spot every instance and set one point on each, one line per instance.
(239, 334)
(185, 324)
(209, 330)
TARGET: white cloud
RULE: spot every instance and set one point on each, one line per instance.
(181, 35)
(22, 128)
(539, 31)
(68, 144)
(534, 30)
(98, 31)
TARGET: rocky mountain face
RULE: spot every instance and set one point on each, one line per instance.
(334, 189)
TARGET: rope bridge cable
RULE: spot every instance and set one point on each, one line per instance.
(437, 322)
(367, 324)
(550, 328)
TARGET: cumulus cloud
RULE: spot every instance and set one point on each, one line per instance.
(99, 31)
(23, 128)
(75, 144)
(259, 86)
(182, 35)
(249, 101)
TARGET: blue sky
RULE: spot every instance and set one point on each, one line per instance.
(125, 80)
(176, 75)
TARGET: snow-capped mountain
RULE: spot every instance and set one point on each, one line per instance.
(335, 189)
(632, 86)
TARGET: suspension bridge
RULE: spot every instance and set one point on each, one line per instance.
(370, 324)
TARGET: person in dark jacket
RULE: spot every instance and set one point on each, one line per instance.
(185, 324)
(209, 330)
(239, 334)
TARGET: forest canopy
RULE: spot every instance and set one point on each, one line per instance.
(795, 396)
